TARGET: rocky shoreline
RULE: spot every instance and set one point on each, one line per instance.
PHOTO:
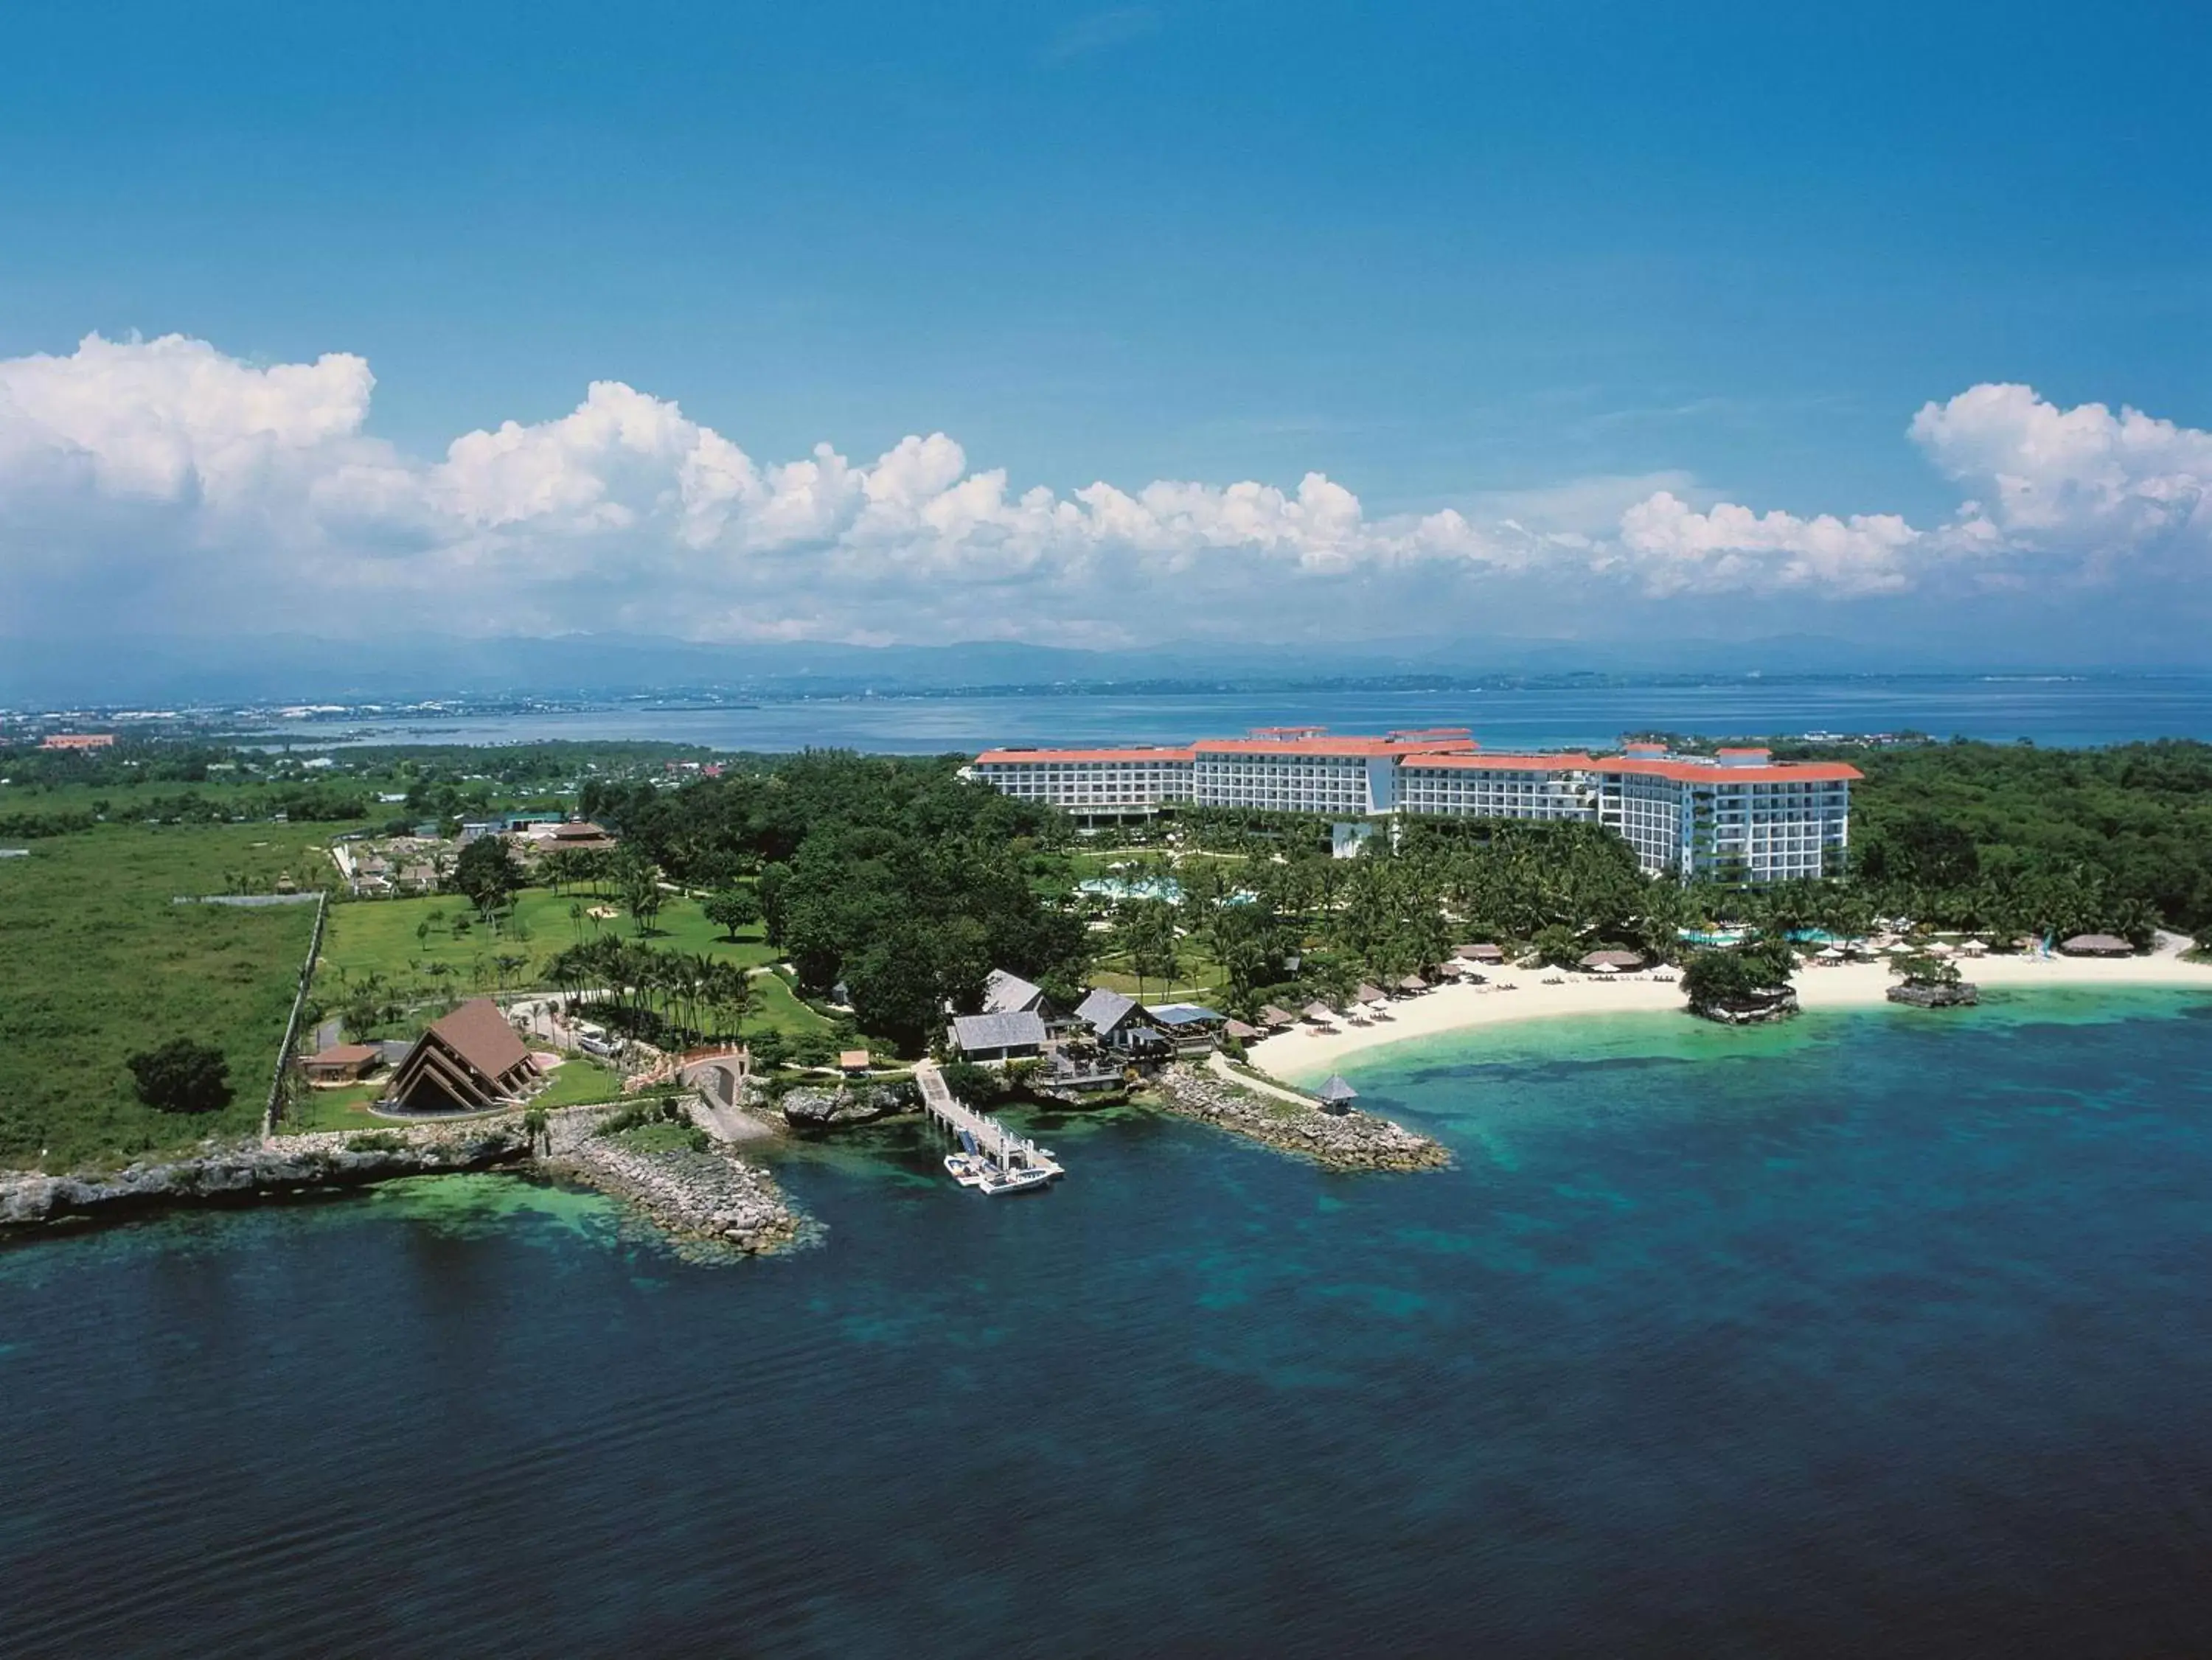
(242, 1174)
(712, 1196)
(1345, 1141)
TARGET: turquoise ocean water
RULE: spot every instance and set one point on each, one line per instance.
(2064, 709)
(1883, 1333)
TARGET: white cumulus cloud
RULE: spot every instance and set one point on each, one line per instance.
(204, 491)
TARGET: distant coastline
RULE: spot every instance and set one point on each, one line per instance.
(1302, 1055)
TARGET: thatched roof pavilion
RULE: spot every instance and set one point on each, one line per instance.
(1336, 1095)
(2098, 945)
(1613, 958)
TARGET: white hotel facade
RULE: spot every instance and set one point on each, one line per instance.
(1738, 815)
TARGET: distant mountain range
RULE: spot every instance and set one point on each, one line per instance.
(115, 672)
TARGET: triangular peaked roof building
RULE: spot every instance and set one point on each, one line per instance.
(469, 1062)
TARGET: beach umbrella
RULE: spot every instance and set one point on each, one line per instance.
(1605, 968)
(1832, 954)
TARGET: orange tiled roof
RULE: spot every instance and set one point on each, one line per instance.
(1020, 757)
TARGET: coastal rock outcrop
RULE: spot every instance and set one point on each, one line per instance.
(1778, 1004)
(1963, 994)
(1342, 1141)
(809, 1108)
(241, 1174)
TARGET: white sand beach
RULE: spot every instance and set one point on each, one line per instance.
(1303, 1051)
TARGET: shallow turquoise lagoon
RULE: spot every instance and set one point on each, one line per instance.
(1875, 1334)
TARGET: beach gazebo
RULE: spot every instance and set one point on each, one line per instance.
(1320, 1013)
(1412, 983)
(1336, 1095)
(1484, 952)
(1277, 1020)
(2097, 945)
(1239, 1030)
(1371, 994)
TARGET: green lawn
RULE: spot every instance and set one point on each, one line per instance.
(96, 964)
(578, 1082)
(436, 945)
(663, 1137)
(1197, 978)
(776, 1008)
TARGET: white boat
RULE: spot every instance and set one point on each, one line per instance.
(1017, 1180)
(966, 1168)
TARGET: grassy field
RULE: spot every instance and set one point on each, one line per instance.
(580, 1081)
(424, 956)
(96, 964)
(436, 942)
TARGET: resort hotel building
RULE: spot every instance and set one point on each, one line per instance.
(1739, 815)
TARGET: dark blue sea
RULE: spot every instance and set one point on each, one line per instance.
(2069, 711)
(1887, 1333)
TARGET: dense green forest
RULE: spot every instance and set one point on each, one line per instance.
(893, 878)
(2014, 838)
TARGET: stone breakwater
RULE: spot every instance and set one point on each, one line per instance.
(712, 1195)
(243, 1174)
(1348, 1141)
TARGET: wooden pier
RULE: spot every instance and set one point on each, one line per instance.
(997, 1142)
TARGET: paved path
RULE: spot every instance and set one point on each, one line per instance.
(1217, 1063)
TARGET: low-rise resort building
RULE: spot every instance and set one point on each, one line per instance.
(1738, 815)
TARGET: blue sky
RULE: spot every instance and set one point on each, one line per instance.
(1528, 264)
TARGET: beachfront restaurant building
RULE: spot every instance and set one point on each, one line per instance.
(992, 1039)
